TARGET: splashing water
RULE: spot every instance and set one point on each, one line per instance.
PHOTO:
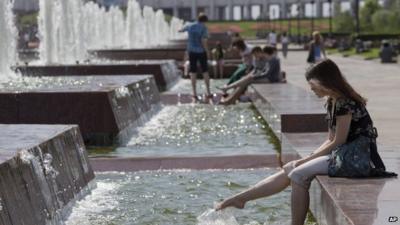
(48, 168)
(212, 217)
(8, 51)
(176, 197)
(101, 199)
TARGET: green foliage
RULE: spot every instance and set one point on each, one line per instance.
(387, 21)
(27, 19)
(366, 13)
(344, 22)
(168, 18)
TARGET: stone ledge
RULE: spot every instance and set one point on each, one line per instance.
(194, 162)
(165, 72)
(333, 201)
(288, 108)
(33, 189)
(104, 107)
(177, 54)
(343, 201)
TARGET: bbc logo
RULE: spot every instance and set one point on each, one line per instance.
(393, 219)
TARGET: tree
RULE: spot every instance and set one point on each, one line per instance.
(366, 13)
(387, 21)
(344, 22)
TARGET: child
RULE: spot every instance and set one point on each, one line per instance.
(218, 55)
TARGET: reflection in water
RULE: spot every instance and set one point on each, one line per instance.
(200, 130)
(20, 83)
(184, 86)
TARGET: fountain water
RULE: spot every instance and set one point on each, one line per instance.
(8, 53)
(67, 29)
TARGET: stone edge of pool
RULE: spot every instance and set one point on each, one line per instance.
(43, 170)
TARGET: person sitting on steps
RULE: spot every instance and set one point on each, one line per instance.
(348, 121)
(267, 70)
(244, 50)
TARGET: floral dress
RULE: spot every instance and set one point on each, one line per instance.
(361, 124)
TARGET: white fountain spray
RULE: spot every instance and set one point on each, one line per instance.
(47, 31)
(8, 46)
(67, 29)
(134, 23)
(175, 25)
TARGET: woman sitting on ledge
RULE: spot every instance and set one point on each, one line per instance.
(267, 69)
(348, 120)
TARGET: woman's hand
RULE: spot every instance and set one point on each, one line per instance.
(299, 162)
(230, 202)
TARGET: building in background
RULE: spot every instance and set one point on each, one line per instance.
(223, 9)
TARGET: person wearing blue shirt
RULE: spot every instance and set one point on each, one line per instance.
(316, 52)
(197, 48)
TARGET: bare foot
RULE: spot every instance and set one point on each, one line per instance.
(195, 99)
(230, 202)
(223, 89)
(209, 99)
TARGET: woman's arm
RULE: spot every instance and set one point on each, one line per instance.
(330, 138)
(340, 137)
(323, 50)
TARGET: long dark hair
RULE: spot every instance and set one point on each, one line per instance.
(239, 43)
(329, 75)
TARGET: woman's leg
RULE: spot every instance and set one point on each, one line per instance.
(267, 187)
(221, 69)
(239, 73)
(244, 81)
(215, 70)
(241, 86)
(300, 202)
(301, 177)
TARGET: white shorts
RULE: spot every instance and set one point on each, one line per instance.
(306, 172)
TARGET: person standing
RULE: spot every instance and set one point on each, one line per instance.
(272, 38)
(198, 52)
(317, 50)
(244, 50)
(285, 44)
(218, 55)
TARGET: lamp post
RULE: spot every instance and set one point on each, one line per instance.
(298, 21)
(273, 19)
(312, 15)
(280, 20)
(330, 18)
(356, 12)
(289, 17)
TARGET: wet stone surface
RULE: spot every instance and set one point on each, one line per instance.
(165, 72)
(102, 106)
(46, 167)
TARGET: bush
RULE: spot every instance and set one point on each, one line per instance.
(366, 12)
(344, 22)
(386, 21)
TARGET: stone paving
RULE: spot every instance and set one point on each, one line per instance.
(352, 201)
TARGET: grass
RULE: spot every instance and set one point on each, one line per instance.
(372, 54)
(249, 29)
